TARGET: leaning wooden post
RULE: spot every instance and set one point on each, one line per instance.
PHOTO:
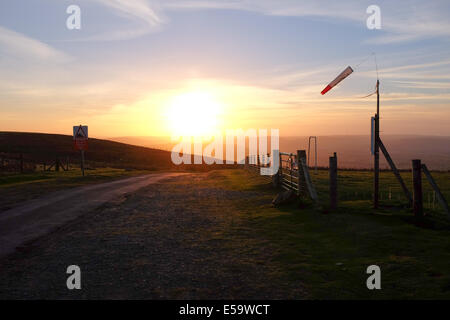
(303, 168)
(417, 189)
(436, 189)
(333, 182)
(394, 169)
(276, 175)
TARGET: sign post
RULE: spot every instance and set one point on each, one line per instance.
(80, 141)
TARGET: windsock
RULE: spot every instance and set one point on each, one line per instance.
(344, 74)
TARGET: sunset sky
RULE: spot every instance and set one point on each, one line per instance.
(145, 68)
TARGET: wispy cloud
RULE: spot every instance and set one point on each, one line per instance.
(16, 44)
(424, 84)
(143, 17)
(412, 20)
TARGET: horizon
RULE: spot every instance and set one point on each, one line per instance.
(353, 150)
(281, 136)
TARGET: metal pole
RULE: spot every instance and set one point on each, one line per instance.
(309, 148)
(315, 157)
(315, 152)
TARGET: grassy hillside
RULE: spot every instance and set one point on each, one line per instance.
(46, 147)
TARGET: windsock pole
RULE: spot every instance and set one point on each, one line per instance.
(376, 151)
(376, 155)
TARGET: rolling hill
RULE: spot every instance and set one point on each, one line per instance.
(42, 147)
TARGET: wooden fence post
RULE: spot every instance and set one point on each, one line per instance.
(56, 164)
(333, 182)
(417, 189)
(21, 163)
(82, 161)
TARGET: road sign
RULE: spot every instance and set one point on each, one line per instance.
(80, 137)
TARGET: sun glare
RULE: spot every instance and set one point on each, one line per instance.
(194, 114)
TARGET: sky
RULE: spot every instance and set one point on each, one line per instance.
(149, 68)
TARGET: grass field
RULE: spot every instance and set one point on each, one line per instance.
(235, 244)
(329, 253)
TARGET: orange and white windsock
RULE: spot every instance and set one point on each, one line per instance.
(344, 74)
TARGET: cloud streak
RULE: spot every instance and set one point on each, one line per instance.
(16, 44)
(411, 21)
(142, 15)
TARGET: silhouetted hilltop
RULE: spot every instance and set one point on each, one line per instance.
(46, 147)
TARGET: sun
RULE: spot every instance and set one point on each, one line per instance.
(195, 114)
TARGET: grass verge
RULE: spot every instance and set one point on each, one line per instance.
(329, 253)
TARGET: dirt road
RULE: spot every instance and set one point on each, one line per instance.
(186, 237)
(39, 217)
